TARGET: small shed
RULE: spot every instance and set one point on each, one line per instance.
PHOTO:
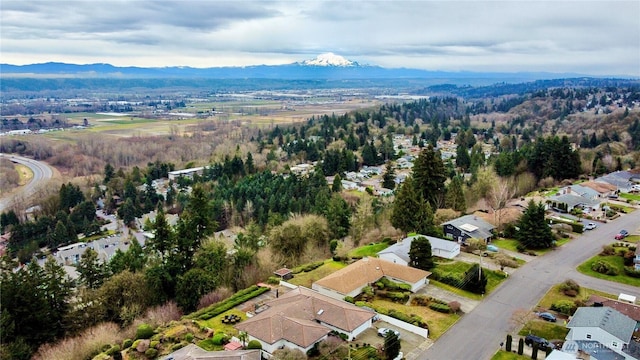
(284, 273)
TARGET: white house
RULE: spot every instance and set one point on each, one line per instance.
(350, 281)
(301, 318)
(399, 252)
(601, 330)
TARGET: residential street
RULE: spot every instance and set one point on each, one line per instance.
(479, 333)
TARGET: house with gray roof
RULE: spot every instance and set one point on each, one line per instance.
(194, 352)
(622, 180)
(574, 201)
(603, 333)
(399, 252)
(467, 227)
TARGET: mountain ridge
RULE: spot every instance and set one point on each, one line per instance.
(327, 66)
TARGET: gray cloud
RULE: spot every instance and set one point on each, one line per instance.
(593, 37)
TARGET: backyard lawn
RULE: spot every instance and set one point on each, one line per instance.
(368, 250)
(615, 261)
(307, 278)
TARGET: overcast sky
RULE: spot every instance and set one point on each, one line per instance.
(590, 37)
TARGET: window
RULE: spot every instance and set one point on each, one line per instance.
(588, 336)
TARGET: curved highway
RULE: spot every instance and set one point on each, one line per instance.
(41, 173)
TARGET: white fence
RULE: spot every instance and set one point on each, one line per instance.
(406, 326)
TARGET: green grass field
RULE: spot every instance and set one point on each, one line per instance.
(545, 329)
(308, 278)
(635, 197)
(507, 244)
(555, 294)
(368, 250)
(503, 355)
(494, 278)
(615, 261)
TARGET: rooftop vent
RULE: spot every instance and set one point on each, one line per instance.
(320, 311)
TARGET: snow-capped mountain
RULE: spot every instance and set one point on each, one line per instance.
(329, 59)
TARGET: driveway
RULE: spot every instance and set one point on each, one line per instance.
(466, 304)
(479, 333)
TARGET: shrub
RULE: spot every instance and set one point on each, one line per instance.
(631, 272)
(628, 257)
(420, 300)
(608, 250)
(135, 344)
(571, 293)
(440, 308)
(144, 331)
(333, 245)
(566, 307)
(188, 337)
(273, 280)
(570, 284)
(236, 299)
(177, 346)
(349, 299)
(604, 267)
(254, 344)
(151, 353)
(220, 339)
(127, 343)
(454, 306)
(114, 349)
(508, 344)
(154, 344)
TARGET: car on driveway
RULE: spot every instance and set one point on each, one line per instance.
(590, 226)
(547, 316)
(542, 343)
(383, 332)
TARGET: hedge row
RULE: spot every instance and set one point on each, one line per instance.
(440, 307)
(411, 319)
(387, 284)
(396, 296)
(307, 267)
(222, 306)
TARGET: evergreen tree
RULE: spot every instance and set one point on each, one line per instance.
(420, 254)
(92, 271)
(162, 241)
(109, 173)
(339, 216)
(411, 213)
(389, 178)
(534, 233)
(454, 197)
(337, 183)
(475, 279)
(429, 176)
(463, 160)
(249, 165)
(391, 345)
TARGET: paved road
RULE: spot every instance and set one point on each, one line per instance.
(41, 173)
(479, 333)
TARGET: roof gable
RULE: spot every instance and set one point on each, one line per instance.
(369, 270)
(605, 318)
(296, 317)
(401, 248)
(473, 225)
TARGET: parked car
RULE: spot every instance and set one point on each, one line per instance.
(492, 248)
(590, 226)
(542, 343)
(383, 332)
(547, 316)
(621, 235)
(624, 233)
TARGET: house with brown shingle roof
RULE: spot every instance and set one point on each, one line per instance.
(301, 318)
(350, 280)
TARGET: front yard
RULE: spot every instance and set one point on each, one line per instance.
(458, 269)
(614, 262)
(438, 322)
